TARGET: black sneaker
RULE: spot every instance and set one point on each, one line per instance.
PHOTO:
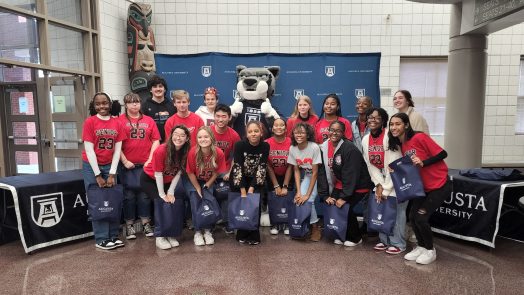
(117, 242)
(106, 245)
(148, 230)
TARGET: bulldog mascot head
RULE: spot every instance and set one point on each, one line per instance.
(255, 87)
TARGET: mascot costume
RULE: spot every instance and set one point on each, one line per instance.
(255, 87)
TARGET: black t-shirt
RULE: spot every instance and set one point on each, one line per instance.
(160, 112)
(250, 165)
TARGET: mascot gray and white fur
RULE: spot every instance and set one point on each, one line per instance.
(255, 87)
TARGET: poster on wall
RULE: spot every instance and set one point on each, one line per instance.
(315, 75)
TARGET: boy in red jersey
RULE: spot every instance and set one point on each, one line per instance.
(183, 116)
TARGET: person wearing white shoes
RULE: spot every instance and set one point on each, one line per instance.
(378, 157)
(166, 170)
(205, 162)
(429, 157)
(343, 178)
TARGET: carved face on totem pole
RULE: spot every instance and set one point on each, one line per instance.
(140, 46)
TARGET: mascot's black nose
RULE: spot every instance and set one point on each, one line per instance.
(250, 81)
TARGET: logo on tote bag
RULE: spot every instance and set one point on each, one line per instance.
(296, 221)
(379, 217)
(332, 221)
(283, 210)
(206, 207)
(106, 203)
(241, 212)
(403, 180)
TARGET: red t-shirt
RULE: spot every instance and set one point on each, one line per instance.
(140, 136)
(192, 122)
(158, 164)
(291, 122)
(226, 142)
(278, 152)
(104, 134)
(331, 153)
(207, 169)
(421, 145)
(322, 129)
(376, 150)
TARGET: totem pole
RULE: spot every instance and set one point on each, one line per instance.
(140, 48)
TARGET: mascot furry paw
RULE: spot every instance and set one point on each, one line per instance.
(255, 88)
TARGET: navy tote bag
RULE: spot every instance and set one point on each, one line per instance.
(169, 218)
(221, 189)
(336, 221)
(382, 216)
(205, 211)
(131, 178)
(299, 219)
(406, 179)
(278, 207)
(105, 203)
(243, 213)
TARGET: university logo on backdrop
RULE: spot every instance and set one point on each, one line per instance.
(47, 210)
(235, 93)
(206, 71)
(298, 93)
(330, 71)
(360, 92)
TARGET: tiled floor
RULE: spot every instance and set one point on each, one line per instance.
(277, 266)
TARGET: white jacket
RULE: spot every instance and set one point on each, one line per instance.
(381, 176)
(207, 117)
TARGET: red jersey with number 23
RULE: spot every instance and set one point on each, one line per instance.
(206, 171)
(421, 145)
(158, 164)
(376, 150)
(322, 129)
(278, 152)
(104, 134)
(141, 132)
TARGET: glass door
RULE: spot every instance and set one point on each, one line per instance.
(22, 128)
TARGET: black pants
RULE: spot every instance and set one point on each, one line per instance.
(421, 210)
(353, 233)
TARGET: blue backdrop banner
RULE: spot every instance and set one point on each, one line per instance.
(314, 75)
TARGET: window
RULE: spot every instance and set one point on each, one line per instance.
(426, 80)
(519, 126)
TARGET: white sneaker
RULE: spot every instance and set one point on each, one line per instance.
(286, 230)
(415, 253)
(274, 230)
(199, 239)
(208, 237)
(427, 257)
(338, 242)
(351, 244)
(162, 243)
(173, 242)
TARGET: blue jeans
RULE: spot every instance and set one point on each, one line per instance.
(398, 238)
(136, 200)
(103, 230)
(304, 185)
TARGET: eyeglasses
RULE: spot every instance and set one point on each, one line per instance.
(371, 118)
(175, 135)
(338, 131)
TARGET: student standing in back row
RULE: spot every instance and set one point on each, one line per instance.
(158, 106)
(303, 112)
(331, 111)
(207, 111)
(183, 115)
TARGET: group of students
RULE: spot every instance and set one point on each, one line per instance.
(323, 157)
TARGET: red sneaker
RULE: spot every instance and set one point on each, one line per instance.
(380, 247)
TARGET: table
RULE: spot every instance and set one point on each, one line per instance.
(479, 210)
(50, 208)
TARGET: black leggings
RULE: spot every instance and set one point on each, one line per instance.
(353, 233)
(421, 211)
